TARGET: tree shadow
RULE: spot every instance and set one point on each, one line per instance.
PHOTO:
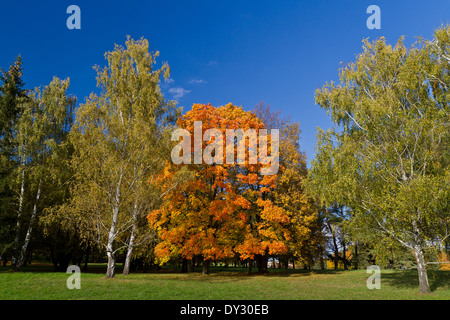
(409, 279)
(282, 272)
(439, 279)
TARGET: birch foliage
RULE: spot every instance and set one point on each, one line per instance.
(388, 156)
(120, 141)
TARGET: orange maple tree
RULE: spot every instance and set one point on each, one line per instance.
(225, 209)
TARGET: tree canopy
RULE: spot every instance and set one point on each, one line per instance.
(387, 157)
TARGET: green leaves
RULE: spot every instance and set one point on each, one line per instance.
(388, 156)
(121, 140)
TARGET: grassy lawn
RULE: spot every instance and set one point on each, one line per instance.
(40, 282)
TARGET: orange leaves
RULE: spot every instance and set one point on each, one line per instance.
(163, 252)
(152, 218)
(251, 178)
(242, 202)
(253, 246)
(272, 213)
(249, 248)
(228, 132)
(220, 210)
(277, 247)
(227, 209)
(270, 181)
(242, 217)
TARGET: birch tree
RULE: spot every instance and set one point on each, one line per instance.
(41, 130)
(121, 140)
(388, 156)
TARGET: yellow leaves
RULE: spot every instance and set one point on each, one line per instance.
(272, 213)
(266, 233)
(444, 261)
(163, 253)
(194, 201)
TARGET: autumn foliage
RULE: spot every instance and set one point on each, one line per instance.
(444, 261)
(223, 210)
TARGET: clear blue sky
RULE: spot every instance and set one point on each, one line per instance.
(242, 52)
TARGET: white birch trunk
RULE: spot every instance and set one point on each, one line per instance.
(424, 286)
(126, 267)
(110, 271)
(30, 228)
(18, 224)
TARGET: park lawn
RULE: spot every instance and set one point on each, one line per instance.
(38, 282)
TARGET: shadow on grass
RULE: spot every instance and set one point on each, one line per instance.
(48, 268)
(236, 274)
(100, 268)
(409, 279)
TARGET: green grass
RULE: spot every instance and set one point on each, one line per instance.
(39, 282)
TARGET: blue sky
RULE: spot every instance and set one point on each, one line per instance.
(242, 52)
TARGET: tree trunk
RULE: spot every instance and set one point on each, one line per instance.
(86, 259)
(110, 271)
(190, 265)
(184, 265)
(265, 262)
(19, 216)
(335, 246)
(205, 267)
(30, 228)
(344, 252)
(262, 261)
(424, 286)
(126, 267)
